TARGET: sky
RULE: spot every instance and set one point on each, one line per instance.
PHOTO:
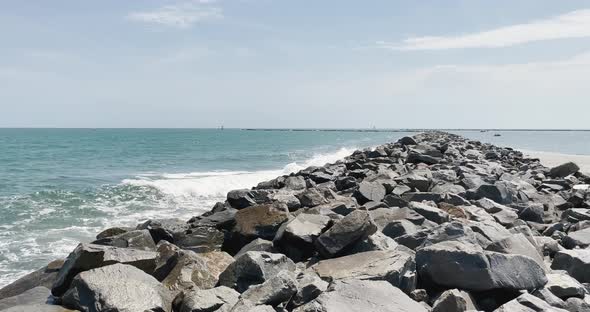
(295, 64)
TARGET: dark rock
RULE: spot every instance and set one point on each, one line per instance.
(240, 199)
(500, 192)
(117, 287)
(579, 238)
(311, 198)
(261, 221)
(564, 170)
(527, 303)
(87, 256)
(164, 229)
(407, 141)
(465, 266)
(254, 267)
(113, 232)
(296, 237)
(429, 212)
(200, 239)
(564, 286)
(517, 244)
(576, 262)
(354, 227)
(138, 239)
(309, 287)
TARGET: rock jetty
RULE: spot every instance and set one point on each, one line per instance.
(433, 222)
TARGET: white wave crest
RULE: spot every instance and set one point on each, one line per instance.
(215, 184)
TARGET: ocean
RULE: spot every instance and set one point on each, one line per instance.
(62, 186)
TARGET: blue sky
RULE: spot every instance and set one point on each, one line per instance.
(271, 63)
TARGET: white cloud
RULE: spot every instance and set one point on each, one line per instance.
(183, 15)
(575, 24)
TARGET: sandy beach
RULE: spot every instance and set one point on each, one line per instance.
(553, 159)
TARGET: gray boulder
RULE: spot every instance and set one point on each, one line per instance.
(164, 229)
(369, 191)
(88, 256)
(278, 289)
(138, 239)
(254, 267)
(240, 199)
(517, 244)
(454, 300)
(117, 287)
(205, 300)
(431, 213)
(196, 270)
(201, 238)
(564, 170)
(309, 287)
(500, 192)
(356, 226)
(387, 265)
(258, 244)
(295, 238)
(576, 262)
(564, 286)
(466, 266)
(362, 295)
(38, 295)
(527, 303)
(579, 238)
(45, 277)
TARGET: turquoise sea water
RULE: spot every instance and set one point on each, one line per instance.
(61, 186)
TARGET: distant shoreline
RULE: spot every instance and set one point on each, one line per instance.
(296, 129)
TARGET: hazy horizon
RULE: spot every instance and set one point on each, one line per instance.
(266, 64)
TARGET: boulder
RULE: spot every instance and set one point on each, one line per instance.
(564, 170)
(500, 192)
(188, 269)
(117, 287)
(407, 141)
(138, 239)
(387, 265)
(517, 244)
(295, 183)
(578, 305)
(38, 308)
(309, 287)
(431, 213)
(369, 191)
(311, 198)
(240, 199)
(453, 300)
(254, 267)
(200, 238)
(576, 262)
(261, 221)
(295, 238)
(205, 300)
(564, 286)
(345, 233)
(258, 244)
(527, 303)
(113, 232)
(465, 266)
(88, 256)
(164, 229)
(362, 295)
(579, 238)
(278, 289)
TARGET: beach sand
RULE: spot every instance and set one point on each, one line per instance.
(554, 159)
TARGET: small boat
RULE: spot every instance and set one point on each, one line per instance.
(497, 134)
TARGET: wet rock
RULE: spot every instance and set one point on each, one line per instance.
(117, 287)
(87, 256)
(465, 266)
(164, 229)
(204, 300)
(138, 239)
(388, 265)
(358, 295)
(278, 289)
(500, 192)
(407, 141)
(345, 233)
(240, 199)
(564, 170)
(254, 267)
(113, 232)
(261, 221)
